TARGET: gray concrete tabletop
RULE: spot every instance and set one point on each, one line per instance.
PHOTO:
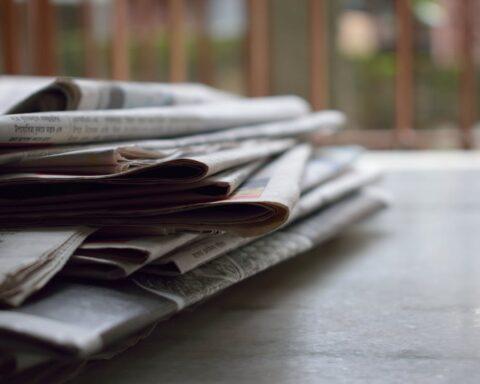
(395, 299)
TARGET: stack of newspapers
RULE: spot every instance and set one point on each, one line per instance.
(123, 203)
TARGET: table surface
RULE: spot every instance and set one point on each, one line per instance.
(393, 300)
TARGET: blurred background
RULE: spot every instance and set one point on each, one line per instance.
(404, 71)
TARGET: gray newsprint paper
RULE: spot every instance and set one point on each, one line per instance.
(119, 258)
(24, 367)
(321, 123)
(255, 257)
(191, 256)
(143, 123)
(218, 186)
(30, 258)
(259, 206)
(14, 89)
(105, 262)
(327, 163)
(188, 165)
(82, 319)
(39, 94)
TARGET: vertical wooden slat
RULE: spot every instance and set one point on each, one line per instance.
(90, 48)
(204, 46)
(258, 65)
(318, 54)
(10, 34)
(146, 11)
(120, 57)
(177, 46)
(467, 89)
(43, 43)
(404, 82)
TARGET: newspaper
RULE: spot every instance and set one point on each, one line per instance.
(260, 205)
(218, 186)
(327, 163)
(30, 258)
(81, 319)
(78, 155)
(88, 161)
(143, 123)
(37, 94)
(27, 367)
(116, 154)
(191, 256)
(14, 89)
(246, 261)
(118, 259)
(188, 165)
(321, 123)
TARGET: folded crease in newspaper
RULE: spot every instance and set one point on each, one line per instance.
(30, 258)
(217, 186)
(260, 205)
(185, 167)
(47, 94)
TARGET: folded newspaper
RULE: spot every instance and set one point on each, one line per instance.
(325, 179)
(80, 320)
(261, 204)
(30, 258)
(187, 164)
(166, 193)
(27, 94)
(68, 127)
(320, 123)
